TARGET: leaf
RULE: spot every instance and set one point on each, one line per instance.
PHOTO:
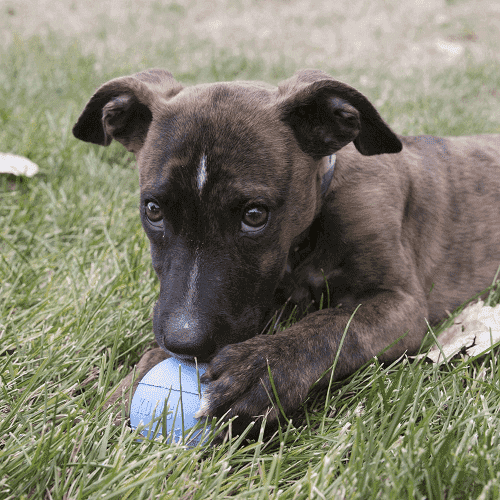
(473, 331)
(17, 165)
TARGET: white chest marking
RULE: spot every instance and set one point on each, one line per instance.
(202, 173)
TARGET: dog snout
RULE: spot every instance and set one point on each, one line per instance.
(185, 335)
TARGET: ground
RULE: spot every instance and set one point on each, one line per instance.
(404, 34)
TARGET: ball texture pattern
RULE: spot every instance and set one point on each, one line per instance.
(160, 386)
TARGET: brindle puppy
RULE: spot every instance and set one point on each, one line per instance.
(245, 207)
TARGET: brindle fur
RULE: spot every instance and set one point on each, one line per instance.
(409, 228)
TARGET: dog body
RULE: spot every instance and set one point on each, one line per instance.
(254, 197)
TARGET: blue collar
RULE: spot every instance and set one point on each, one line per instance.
(328, 175)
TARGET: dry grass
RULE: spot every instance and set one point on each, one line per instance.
(401, 34)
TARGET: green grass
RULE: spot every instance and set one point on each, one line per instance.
(77, 291)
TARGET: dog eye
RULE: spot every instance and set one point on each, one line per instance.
(254, 219)
(154, 214)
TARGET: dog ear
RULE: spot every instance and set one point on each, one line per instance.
(122, 109)
(325, 115)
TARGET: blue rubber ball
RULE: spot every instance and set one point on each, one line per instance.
(160, 386)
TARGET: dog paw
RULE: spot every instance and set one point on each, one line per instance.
(239, 384)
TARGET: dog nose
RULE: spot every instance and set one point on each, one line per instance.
(179, 345)
(186, 336)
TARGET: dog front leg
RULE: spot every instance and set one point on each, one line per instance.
(303, 354)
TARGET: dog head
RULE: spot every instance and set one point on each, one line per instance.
(230, 176)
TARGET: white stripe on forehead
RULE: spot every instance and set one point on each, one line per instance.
(202, 173)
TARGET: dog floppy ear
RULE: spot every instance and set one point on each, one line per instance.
(122, 109)
(325, 115)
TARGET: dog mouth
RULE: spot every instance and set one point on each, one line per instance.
(191, 346)
(189, 359)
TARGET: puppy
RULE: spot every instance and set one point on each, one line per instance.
(253, 196)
